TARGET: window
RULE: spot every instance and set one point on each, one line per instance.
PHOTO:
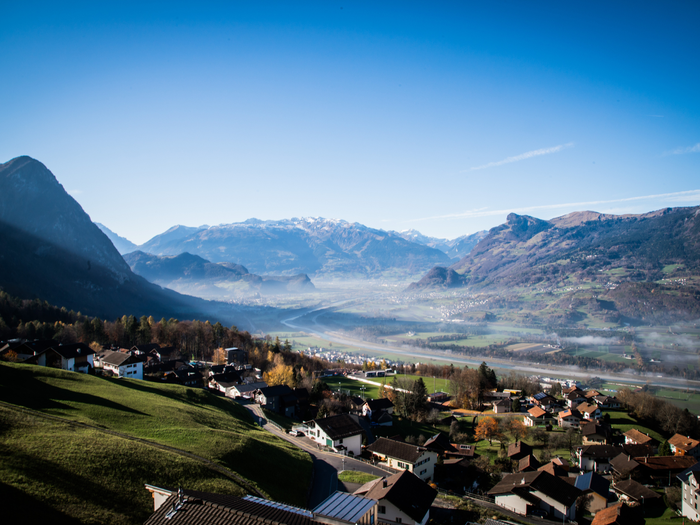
(423, 472)
(381, 509)
(398, 520)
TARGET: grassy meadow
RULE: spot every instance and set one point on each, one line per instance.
(188, 419)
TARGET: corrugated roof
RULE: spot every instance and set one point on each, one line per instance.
(345, 507)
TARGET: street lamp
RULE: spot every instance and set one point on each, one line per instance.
(362, 389)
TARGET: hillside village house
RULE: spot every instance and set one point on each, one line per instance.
(690, 490)
(77, 357)
(635, 437)
(570, 418)
(279, 399)
(122, 364)
(597, 486)
(684, 446)
(404, 456)
(401, 498)
(589, 411)
(596, 434)
(341, 433)
(525, 491)
(535, 416)
(247, 390)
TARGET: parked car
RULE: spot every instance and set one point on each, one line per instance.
(539, 513)
(295, 433)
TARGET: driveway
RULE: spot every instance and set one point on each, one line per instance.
(326, 464)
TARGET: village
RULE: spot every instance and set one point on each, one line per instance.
(553, 450)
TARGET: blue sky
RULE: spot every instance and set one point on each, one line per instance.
(443, 117)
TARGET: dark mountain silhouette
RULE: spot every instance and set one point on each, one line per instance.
(51, 250)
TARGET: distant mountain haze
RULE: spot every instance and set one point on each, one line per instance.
(187, 273)
(320, 248)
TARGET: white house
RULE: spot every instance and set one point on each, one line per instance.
(123, 364)
(404, 456)
(569, 418)
(401, 498)
(342, 433)
(76, 357)
(690, 490)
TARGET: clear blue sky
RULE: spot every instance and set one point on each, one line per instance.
(438, 116)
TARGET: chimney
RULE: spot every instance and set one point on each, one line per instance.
(384, 483)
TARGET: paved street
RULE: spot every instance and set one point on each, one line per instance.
(326, 464)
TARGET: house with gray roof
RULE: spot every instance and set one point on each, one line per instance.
(404, 456)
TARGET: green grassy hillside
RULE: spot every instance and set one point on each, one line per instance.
(95, 477)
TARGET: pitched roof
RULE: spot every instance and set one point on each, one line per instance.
(344, 507)
(73, 350)
(623, 464)
(635, 490)
(220, 509)
(396, 449)
(571, 412)
(638, 437)
(662, 463)
(586, 408)
(528, 462)
(594, 482)
(537, 412)
(519, 448)
(406, 491)
(682, 442)
(439, 443)
(553, 469)
(592, 428)
(542, 481)
(118, 358)
(340, 426)
(380, 404)
(618, 514)
(600, 451)
(275, 391)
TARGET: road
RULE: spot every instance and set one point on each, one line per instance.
(327, 465)
(297, 323)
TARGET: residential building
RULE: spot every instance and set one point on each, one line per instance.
(519, 450)
(404, 456)
(570, 418)
(341, 433)
(597, 486)
(619, 514)
(634, 492)
(123, 364)
(502, 406)
(523, 492)
(528, 464)
(594, 433)
(401, 498)
(635, 437)
(279, 399)
(535, 416)
(77, 357)
(684, 446)
(589, 411)
(690, 490)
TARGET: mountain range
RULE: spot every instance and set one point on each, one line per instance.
(321, 248)
(527, 251)
(52, 250)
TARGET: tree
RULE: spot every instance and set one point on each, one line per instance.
(664, 449)
(417, 400)
(515, 406)
(219, 357)
(515, 427)
(487, 428)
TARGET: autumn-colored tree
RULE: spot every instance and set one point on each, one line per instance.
(487, 428)
(516, 428)
(219, 357)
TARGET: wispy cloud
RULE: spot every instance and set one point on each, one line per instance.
(523, 156)
(679, 196)
(682, 151)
